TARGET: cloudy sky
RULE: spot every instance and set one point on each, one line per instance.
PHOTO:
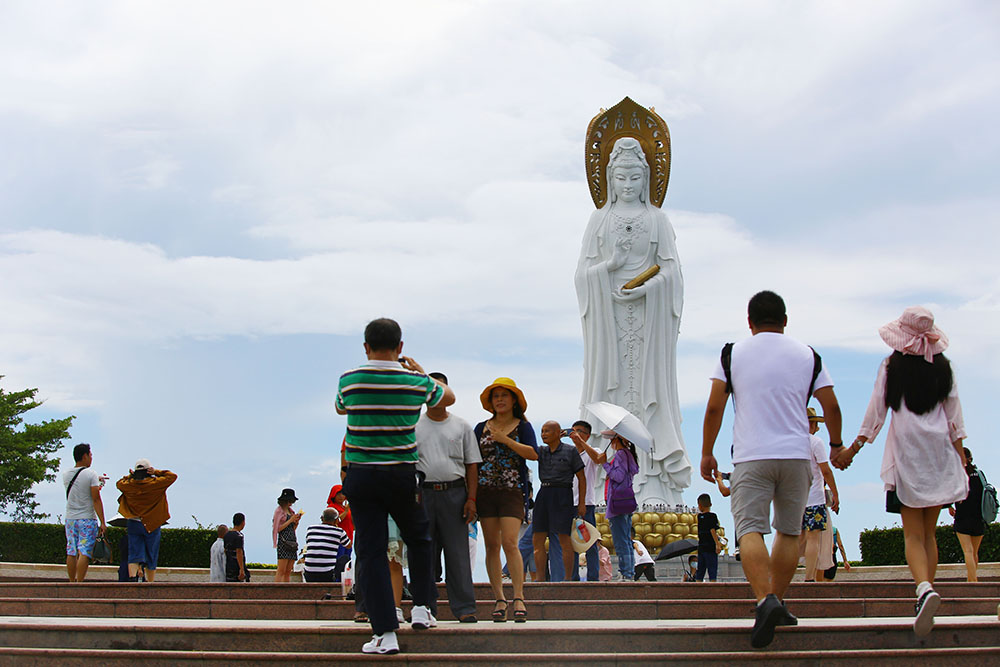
(202, 204)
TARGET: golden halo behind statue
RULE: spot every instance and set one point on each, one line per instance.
(628, 119)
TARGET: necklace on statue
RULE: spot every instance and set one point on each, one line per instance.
(629, 225)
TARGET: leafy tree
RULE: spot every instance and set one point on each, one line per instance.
(26, 453)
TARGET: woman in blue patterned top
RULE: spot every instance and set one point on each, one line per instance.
(506, 442)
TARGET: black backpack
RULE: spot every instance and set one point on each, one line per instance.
(727, 362)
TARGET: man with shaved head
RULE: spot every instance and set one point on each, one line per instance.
(558, 464)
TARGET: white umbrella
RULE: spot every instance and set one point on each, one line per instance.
(622, 422)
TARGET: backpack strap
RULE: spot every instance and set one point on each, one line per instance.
(817, 367)
(727, 364)
(73, 480)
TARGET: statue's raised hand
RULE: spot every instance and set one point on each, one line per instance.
(619, 254)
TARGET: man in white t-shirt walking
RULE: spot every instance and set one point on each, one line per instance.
(816, 515)
(771, 377)
(83, 512)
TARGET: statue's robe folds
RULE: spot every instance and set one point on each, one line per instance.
(647, 384)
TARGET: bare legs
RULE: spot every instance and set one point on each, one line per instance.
(76, 567)
(284, 571)
(769, 573)
(502, 533)
(396, 575)
(541, 555)
(919, 524)
(970, 548)
(538, 542)
(813, 539)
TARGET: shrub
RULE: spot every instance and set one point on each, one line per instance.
(46, 543)
(884, 546)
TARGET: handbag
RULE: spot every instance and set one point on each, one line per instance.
(102, 551)
(892, 504)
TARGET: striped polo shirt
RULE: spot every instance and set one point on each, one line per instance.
(382, 400)
(323, 543)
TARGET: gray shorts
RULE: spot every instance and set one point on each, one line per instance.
(756, 484)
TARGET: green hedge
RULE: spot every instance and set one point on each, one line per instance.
(46, 543)
(884, 546)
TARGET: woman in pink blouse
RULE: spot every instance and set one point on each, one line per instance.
(923, 466)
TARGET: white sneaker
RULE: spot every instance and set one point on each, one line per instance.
(421, 618)
(382, 644)
(926, 606)
(399, 616)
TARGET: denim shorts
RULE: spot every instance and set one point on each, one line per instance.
(81, 536)
(143, 547)
(554, 511)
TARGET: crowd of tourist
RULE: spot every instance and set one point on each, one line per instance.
(416, 482)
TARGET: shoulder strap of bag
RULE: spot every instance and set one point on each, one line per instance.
(727, 363)
(73, 480)
(817, 367)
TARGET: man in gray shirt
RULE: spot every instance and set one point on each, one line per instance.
(83, 511)
(449, 460)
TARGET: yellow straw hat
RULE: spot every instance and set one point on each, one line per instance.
(507, 384)
(813, 417)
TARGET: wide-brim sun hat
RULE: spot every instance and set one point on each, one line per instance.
(583, 535)
(914, 333)
(509, 385)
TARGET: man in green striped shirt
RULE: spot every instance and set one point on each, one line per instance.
(382, 401)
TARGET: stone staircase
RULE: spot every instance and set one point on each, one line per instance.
(112, 623)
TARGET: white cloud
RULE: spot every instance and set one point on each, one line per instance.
(430, 166)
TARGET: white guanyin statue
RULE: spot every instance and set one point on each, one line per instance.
(630, 335)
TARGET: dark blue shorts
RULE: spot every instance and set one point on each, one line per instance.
(143, 547)
(554, 511)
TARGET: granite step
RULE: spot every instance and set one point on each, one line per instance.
(535, 637)
(535, 591)
(967, 657)
(579, 610)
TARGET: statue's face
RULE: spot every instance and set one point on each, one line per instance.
(627, 183)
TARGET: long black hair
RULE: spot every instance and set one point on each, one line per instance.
(910, 379)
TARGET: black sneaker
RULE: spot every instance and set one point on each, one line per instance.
(925, 608)
(787, 618)
(767, 615)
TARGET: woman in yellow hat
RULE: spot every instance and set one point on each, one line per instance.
(506, 442)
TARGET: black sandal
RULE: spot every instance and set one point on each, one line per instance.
(520, 615)
(500, 615)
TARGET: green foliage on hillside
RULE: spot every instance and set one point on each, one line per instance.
(46, 543)
(26, 453)
(884, 546)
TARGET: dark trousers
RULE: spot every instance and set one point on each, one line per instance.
(593, 557)
(450, 534)
(647, 570)
(707, 561)
(375, 494)
(323, 576)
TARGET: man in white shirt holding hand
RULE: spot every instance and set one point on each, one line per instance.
(771, 377)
